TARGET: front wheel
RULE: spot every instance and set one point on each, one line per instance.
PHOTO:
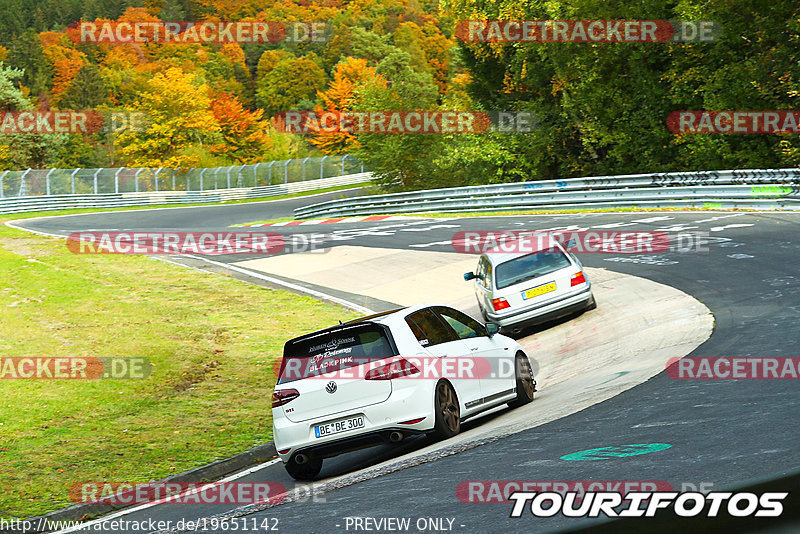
(526, 385)
(305, 471)
(448, 414)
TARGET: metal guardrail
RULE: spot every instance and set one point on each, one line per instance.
(141, 179)
(118, 200)
(748, 188)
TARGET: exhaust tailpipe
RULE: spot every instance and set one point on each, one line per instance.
(395, 436)
(301, 459)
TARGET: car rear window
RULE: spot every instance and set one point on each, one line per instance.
(332, 351)
(530, 266)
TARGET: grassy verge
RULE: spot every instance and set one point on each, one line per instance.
(173, 205)
(211, 340)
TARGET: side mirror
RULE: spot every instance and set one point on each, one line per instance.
(469, 276)
(492, 328)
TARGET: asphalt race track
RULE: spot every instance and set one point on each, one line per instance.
(722, 433)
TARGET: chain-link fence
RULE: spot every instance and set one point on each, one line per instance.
(32, 182)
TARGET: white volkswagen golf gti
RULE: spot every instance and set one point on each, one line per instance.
(379, 379)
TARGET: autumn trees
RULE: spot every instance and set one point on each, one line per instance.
(601, 108)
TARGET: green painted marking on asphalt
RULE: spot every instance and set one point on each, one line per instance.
(606, 453)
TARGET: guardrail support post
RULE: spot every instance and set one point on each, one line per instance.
(95, 180)
(322, 167)
(202, 172)
(228, 174)
(2, 193)
(271, 163)
(136, 178)
(216, 186)
(304, 167)
(23, 188)
(239, 176)
(47, 181)
(116, 179)
(188, 179)
(157, 171)
(72, 179)
(362, 166)
(255, 175)
(286, 171)
(343, 158)
(173, 179)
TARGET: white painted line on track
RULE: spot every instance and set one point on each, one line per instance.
(720, 228)
(711, 219)
(121, 513)
(653, 219)
(613, 225)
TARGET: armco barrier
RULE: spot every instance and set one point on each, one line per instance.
(117, 200)
(733, 189)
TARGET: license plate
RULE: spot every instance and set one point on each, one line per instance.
(337, 427)
(536, 291)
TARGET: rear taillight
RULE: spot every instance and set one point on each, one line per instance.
(500, 304)
(412, 421)
(577, 279)
(390, 371)
(282, 396)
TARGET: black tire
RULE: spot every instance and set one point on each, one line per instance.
(306, 471)
(526, 384)
(592, 304)
(447, 410)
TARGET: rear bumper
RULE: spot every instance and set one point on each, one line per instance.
(353, 443)
(404, 404)
(548, 312)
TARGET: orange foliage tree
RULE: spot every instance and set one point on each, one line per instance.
(243, 132)
(338, 98)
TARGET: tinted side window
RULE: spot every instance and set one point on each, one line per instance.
(428, 328)
(464, 325)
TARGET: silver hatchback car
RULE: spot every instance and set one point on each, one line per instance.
(523, 289)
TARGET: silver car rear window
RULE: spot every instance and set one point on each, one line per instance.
(530, 266)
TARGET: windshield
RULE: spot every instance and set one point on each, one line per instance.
(333, 351)
(531, 266)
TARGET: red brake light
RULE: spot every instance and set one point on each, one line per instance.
(392, 370)
(412, 421)
(577, 279)
(282, 396)
(500, 304)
